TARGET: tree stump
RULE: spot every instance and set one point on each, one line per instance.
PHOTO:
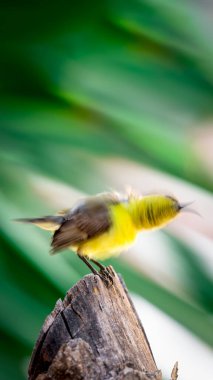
(94, 333)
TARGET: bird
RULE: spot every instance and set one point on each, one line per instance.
(102, 226)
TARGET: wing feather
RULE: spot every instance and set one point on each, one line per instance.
(91, 218)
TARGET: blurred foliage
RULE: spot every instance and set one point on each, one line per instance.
(83, 80)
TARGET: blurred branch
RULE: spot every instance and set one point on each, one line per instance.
(174, 374)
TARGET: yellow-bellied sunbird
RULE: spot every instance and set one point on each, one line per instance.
(101, 226)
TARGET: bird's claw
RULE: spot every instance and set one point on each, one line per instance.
(106, 277)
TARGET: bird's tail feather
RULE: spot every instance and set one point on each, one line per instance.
(50, 223)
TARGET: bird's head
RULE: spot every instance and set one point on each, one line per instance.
(155, 211)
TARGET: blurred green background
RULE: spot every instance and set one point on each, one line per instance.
(99, 95)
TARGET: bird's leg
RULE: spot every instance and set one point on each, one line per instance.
(103, 270)
(83, 258)
(99, 265)
(101, 275)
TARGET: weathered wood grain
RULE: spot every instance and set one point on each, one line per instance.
(94, 333)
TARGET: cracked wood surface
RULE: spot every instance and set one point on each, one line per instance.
(94, 333)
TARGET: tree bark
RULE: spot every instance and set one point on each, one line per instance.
(94, 333)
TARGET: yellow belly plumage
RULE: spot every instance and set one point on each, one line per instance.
(120, 236)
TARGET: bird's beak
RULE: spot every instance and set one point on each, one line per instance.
(184, 207)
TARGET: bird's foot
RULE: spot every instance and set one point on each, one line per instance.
(110, 271)
(106, 277)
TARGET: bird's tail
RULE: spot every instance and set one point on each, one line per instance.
(50, 223)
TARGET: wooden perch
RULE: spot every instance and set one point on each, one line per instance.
(94, 333)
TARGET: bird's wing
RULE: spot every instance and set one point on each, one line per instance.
(89, 219)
